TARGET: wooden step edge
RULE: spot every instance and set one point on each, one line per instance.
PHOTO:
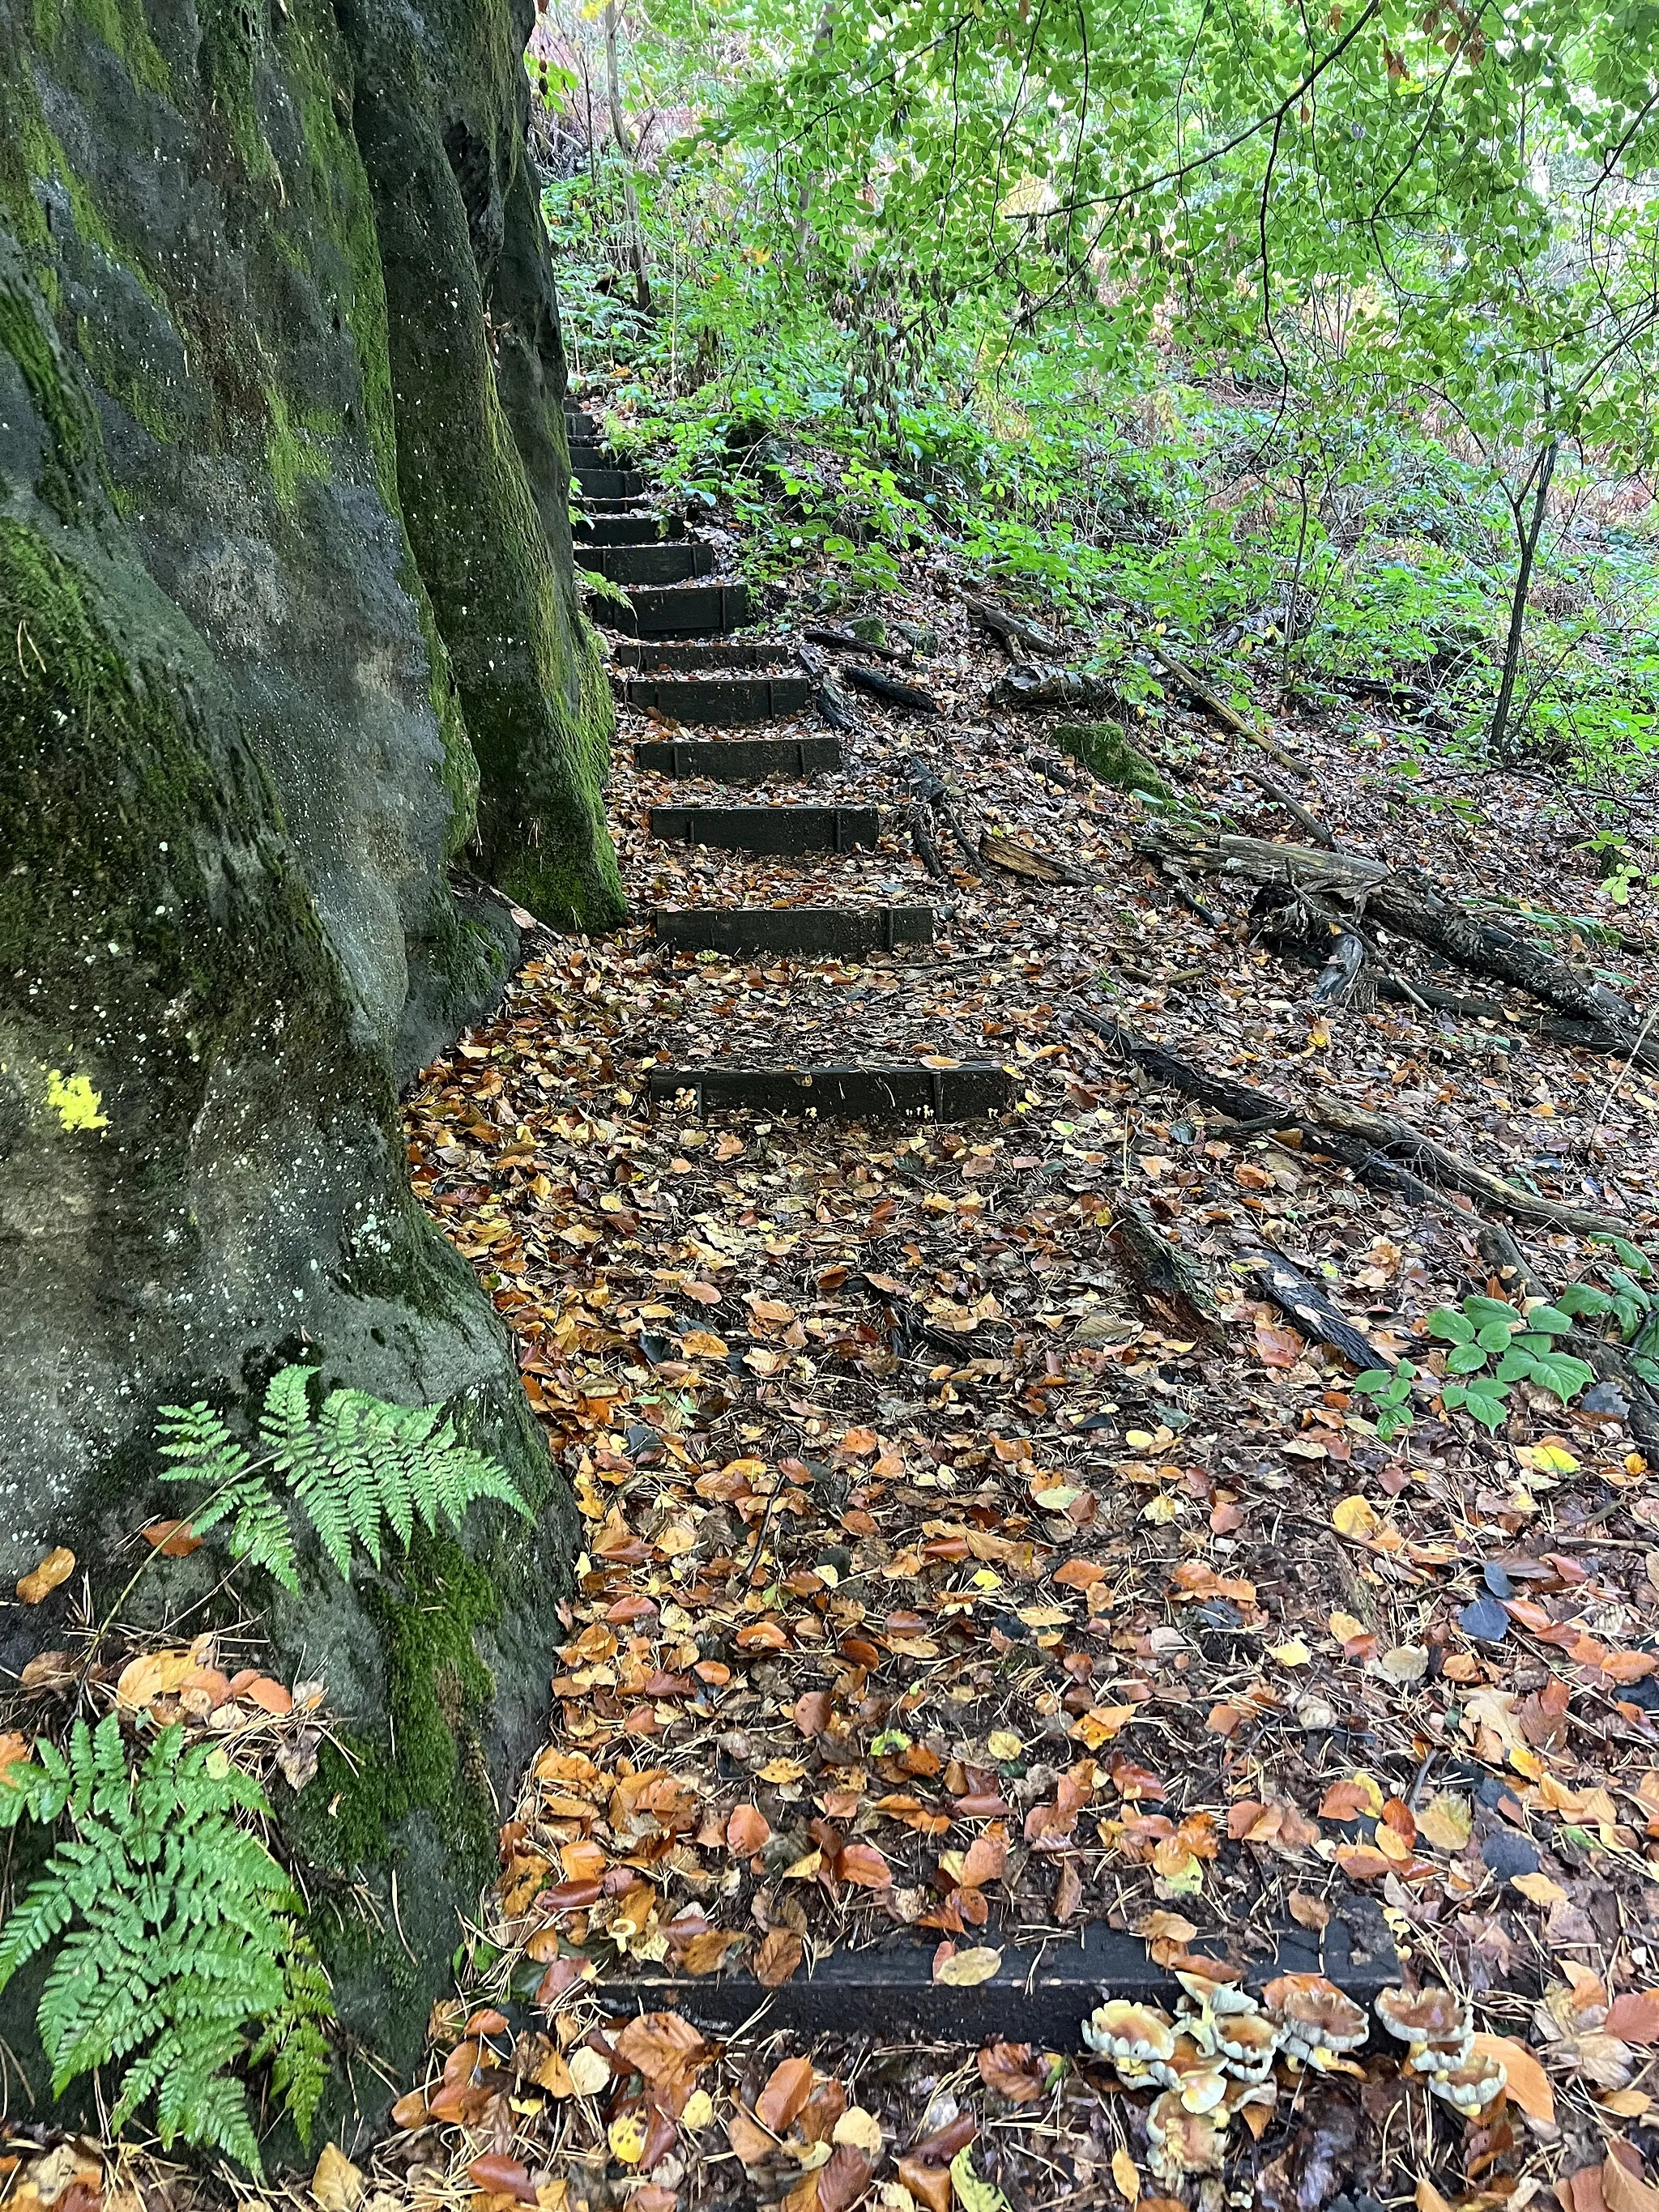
(1040, 1997)
(798, 929)
(864, 1091)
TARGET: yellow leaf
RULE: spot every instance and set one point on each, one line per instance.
(1446, 1821)
(973, 2194)
(967, 1968)
(590, 2072)
(859, 2131)
(626, 2136)
(699, 2110)
(40, 1581)
(336, 2184)
(1003, 1743)
(1293, 1654)
(1355, 1517)
(1124, 2175)
(1345, 1627)
(1539, 1889)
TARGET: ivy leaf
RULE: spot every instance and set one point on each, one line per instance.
(1447, 1322)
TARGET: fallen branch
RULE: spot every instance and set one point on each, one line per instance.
(1313, 1313)
(1016, 860)
(1055, 687)
(929, 789)
(836, 709)
(1243, 1102)
(1309, 822)
(920, 823)
(1400, 1140)
(1408, 905)
(888, 689)
(1168, 1281)
(1012, 629)
(1229, 717)
(847, 640)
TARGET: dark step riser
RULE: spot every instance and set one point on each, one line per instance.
(705, 652)
(1040, 1997)
(739, 760)
(697, 611)
(725, 705)
(611, 483)
(843, 1094)
(811, 932)
(652, 564)
(778, 829)
(630, 530)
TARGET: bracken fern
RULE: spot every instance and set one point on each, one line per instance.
(177, 1953)
(354, 1468)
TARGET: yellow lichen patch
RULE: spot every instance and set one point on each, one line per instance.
(77, 1102)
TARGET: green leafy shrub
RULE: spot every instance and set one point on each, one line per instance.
(354, 1468)
(179, 1951)
(1491, 1347)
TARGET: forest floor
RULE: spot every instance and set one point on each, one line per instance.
(933, 1577)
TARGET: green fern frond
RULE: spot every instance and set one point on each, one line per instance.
(299, 1453)
(176, 1948)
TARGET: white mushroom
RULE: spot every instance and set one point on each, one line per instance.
(1124, 2031)
(1314, 2017)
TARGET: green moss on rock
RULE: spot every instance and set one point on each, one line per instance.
(1108, 754)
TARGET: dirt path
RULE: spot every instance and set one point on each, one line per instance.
(946, 1600)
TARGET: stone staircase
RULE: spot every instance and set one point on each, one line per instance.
(675, 656)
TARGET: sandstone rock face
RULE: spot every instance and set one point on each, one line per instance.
(287, 631)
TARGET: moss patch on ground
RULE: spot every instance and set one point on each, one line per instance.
(1108, 754)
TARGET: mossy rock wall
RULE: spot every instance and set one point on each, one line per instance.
(289, 631)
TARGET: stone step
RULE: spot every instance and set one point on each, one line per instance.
(1037, 1996)
(832, 932)
(703, 653)
(768, 829)
(724, 703)
(581, 427)
(873, 1092)
(678, 610)
(652, 564)
(609, 483)
(629, 529)
(739, 760)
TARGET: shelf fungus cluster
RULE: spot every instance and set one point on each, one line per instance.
(1212, 2060)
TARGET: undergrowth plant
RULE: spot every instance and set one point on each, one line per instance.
(178, 1952)
(1492, 1347)
(355, 1468)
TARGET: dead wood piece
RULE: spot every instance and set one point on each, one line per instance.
(889, 689)
(1012, 629)
(1016, 860)
(1229, 717)
(847, 640)
(929, 789)
(1407, 903)
(836, 709)
(1169, 1282)
(1400, 1140)
(1343, 972)
(1243, 1102)
(920, 823)
(1299, 813)
(1055, 687)
(1313, 1313)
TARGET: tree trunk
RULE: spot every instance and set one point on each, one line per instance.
(1529, 533)
(624, 138)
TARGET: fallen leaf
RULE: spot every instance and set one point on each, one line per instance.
(1625, 2191)
(748, 1831)
(590, 2070)
(40, 1581)
(1355, 1517)
(1528, 2086)
(778, 1955)
(963, 1970)
(864, 1864)
(1446, 1821)
(859, 2129)
(787, 2088)
(1126, 2176)
(336, 2183)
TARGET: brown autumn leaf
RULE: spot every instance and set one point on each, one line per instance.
(1013, 2071)
(40, 1581)
(172, 1539)
(1623, 2191)
(1528, 2085)
(752, 2141)
(748, 1831)
(1634, 2016)
(787, 2088)
(842, 2182)
(929, 2184)
(864, 1864)
(778, 1955)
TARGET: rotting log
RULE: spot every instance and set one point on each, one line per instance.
(1313, 1312)
(1169, 1282)
(1012, 629)
(1387, 1133)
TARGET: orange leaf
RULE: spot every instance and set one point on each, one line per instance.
(864, 1864)
(40, 1581)
(748, 1831)
(778, 1957)
(787, 2088)
(1528, 2085)
(1634, 2017)
(173, 1539)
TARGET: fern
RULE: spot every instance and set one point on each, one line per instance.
(357, 1467)
(179, 1955)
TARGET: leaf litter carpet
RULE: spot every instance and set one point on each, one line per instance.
(934, 1583)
